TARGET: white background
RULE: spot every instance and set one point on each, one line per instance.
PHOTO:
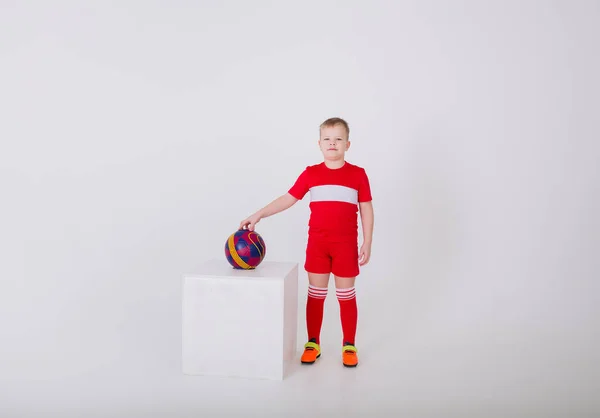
(135, 136)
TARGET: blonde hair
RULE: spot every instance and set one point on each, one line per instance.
(336, 121)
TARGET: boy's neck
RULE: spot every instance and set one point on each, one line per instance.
(335, 164)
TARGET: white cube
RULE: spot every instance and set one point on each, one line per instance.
(240, 323)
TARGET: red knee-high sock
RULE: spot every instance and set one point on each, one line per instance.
(348, 313)
(314, 311)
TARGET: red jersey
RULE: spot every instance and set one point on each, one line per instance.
(334, 198)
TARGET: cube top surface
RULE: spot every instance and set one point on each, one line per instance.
(221, 268)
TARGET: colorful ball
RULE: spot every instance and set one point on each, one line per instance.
(245, 249)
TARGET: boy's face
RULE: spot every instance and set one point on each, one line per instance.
(334, 142)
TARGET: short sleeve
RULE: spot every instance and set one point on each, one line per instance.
(301, 186)
(364, 189)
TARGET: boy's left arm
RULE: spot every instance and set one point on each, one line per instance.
(367, 219)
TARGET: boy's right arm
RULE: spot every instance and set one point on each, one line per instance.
(280, 204)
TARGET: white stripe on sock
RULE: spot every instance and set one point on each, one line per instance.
(317, 292)
(345, 294)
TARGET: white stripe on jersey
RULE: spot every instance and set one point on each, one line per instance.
(332, 192)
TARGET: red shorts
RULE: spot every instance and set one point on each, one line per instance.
(339, 258)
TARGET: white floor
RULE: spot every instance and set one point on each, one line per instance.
(405, 370)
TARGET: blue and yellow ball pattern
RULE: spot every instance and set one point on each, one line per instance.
(245, 249)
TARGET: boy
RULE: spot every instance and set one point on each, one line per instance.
(338, 190)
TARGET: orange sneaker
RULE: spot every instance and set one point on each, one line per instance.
(312, 351)
(349, 355)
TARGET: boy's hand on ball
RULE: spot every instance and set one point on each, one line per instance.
(250, 222)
